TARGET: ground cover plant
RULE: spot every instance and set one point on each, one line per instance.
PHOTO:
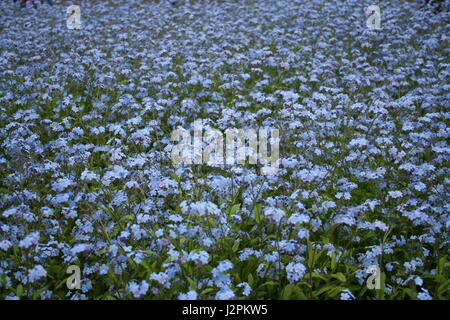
(86, 177)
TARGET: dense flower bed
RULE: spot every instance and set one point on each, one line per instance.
(86, 176)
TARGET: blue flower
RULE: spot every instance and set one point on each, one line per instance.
(295, 271)
(138, 289)
(191, 295)
(37, 273)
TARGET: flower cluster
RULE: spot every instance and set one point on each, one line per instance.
(86, 176)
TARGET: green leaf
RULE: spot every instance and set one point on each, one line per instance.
(287, 292)
(272, 236)
(235, 246)
(444, 287)
(19, 290)
(128, 217)
(234, 209)
(258, 208)
(146, 266)
(250, 279)
(175, 177)
(16, 250)
(269, 283)
(317, 256)
(325, 288)
(410, 293)
(441, 265)
(59, 285)
(193, 285)
(206, 291)
(300, 294)
(335, 292)
(310, 255)
(382, 285)
(333, 261)
(315, 275)
(340, 276)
